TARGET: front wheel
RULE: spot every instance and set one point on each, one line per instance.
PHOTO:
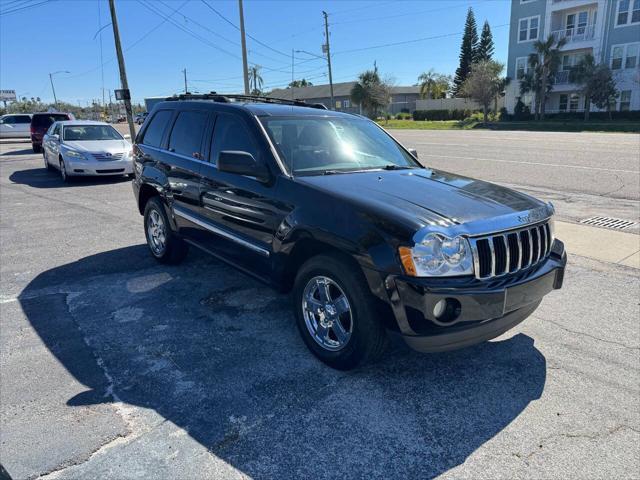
(63, 172)
(336, 313)
(165, 246)
(36, 148)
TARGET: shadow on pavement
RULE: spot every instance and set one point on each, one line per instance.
(12, 153)
(218, 355)
(42, 178)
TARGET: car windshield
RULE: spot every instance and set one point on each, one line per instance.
(44, 120)
(321, 145)
(79, 133)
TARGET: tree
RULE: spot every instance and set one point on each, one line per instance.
(484, 83)
(545, 63)
(467, 52)
(370, 92)
(485, 47)
(255, 80)
(433, 84)
(300, 84)
(604, 92)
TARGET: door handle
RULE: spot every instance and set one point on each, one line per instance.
(196, 155)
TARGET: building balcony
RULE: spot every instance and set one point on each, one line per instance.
(566, 4)
(576, 34)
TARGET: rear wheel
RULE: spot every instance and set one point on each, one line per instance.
(336, 314)
(165, 246)
(36, 148)
(46, 162)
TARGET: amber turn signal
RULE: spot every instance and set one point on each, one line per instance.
(407, 261)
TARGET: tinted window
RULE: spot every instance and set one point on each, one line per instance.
(45, 120)
(186, 136)
(155, 131)
(230, 133)
(23, 119)
(10, 120)
(56, 129)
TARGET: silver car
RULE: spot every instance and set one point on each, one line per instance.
(80, 148)
(15, 125)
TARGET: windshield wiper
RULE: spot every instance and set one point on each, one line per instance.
(393, 166)
(333, 172)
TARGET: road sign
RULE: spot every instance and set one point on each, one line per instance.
(123, 94)
(7, 95)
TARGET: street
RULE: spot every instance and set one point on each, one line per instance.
(114, 366)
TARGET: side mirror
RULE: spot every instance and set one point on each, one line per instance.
(55, 136)
(413, 152)
(127, 136)
(242, 163)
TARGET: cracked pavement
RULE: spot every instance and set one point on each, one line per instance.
(115, 367)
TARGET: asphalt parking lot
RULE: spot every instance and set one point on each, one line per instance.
(112, 366)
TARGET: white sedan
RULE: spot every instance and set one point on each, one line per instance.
(79, 148)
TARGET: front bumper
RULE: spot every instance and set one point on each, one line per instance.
(483, 310)
(79, 167)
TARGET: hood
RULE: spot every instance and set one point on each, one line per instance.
(107, 146)
(429, 196)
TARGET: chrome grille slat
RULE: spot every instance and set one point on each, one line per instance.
(107, 157)
(503, 253)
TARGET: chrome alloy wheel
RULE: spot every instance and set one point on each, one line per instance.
(327, 313)
(156, 233)
(63, 171)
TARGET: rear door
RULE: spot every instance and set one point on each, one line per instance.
(241, 213)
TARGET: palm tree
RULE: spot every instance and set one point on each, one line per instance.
(433, 84)
(583, 74)
(545, 62)
(255, 80)
(370, 92)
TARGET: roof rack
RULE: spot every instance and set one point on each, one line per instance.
(250, 98)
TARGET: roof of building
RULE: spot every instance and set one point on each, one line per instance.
(342, 89)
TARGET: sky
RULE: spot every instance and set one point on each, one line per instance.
(160, 38)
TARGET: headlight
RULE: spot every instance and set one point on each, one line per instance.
(74, 154)
(438, 256)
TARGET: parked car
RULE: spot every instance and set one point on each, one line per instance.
(40, 123)
(141, 117)
(15, 125)
(83, 147)
(329, 206)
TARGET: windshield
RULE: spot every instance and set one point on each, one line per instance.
(45, 120)
(316, 145)
(79, 133)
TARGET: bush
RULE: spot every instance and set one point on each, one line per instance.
(441, 114)
(521, 111)
(403, 116)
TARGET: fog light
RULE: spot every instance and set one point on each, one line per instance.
(440, 308)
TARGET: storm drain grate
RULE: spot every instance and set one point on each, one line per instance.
(609, 222)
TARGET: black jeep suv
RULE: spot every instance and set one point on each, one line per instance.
(329, 206)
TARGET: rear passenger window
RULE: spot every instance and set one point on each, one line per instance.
(231, 133)
(23, 119)
(186, 136)
(155, 131)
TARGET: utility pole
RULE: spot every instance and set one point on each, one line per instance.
(326, 32)
(293, 78)
(55, 100)
(123, 73)
(185, 79)
(245, 67)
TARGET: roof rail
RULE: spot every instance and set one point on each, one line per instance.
(249, 98)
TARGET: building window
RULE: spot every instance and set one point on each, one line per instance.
(338, 104)
(574, 101)
(625, 56)
(522, 65)
(528, 29)
(628, 12)
(564, 101)
(625, 100)
(346, 104)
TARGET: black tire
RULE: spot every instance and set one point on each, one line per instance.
(47, 165)
(63, 173)
(368, 339)
(36, 148)
(175, 249)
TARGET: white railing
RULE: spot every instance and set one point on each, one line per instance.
(562, 77)
(575, 34)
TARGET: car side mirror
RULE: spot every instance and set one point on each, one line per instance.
(242, 163)
(55, 136)
(127, 136)
(413, 152)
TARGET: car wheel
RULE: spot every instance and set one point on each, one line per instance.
(36, 148)
(165, 246)
(63, 172)
(336, 313)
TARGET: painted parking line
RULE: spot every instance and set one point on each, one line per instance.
(582, 167)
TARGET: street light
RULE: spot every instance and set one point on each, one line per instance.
(55, 100)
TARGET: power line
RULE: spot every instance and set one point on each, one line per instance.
(238, 28)
(25, 7)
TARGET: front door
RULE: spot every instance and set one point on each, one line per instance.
(242, 212)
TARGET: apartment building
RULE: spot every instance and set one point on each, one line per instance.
(607, 29)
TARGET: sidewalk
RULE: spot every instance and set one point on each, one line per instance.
(599, 243)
